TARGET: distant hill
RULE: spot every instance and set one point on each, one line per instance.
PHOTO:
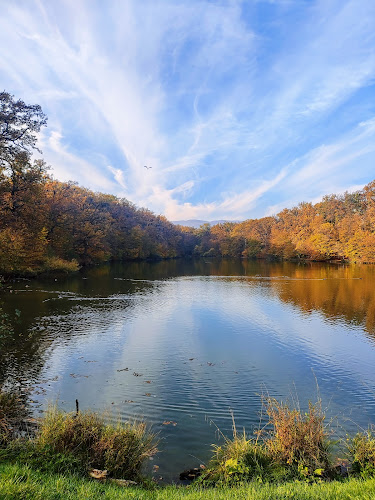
(196, 222)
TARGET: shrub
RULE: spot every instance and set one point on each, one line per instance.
(239, 459)
(296, 446)
(121, 449)
(298, 440)
(362, 453)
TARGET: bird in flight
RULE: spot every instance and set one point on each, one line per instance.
(148, 168)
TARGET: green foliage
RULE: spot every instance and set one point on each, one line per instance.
(239, 459)
(121, 449)
(253, 249)
(362, 453)
(296, 446)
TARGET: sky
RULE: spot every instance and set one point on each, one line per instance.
(240, 108)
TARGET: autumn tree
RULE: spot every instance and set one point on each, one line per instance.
(19, 126)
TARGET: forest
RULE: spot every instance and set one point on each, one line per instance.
(340, 227)
(49, 225)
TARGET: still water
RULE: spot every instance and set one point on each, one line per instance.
(182, 343)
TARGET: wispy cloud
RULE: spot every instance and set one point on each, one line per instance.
(237, 106)
(328, 168)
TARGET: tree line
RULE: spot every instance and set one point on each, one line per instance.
(340, 227)
(46, 224)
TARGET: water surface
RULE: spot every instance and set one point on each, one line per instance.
(182, 343)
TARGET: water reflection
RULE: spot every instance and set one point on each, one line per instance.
(185, 341)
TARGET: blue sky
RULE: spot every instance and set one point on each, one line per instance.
(241, 108)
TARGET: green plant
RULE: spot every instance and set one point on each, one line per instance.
(238, 459)
(291, 445)
(362, 453)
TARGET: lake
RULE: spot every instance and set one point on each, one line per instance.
(183, 343)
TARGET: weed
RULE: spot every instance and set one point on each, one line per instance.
(238, 459)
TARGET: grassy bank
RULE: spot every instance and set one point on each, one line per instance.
(21, 482)
(290, 457)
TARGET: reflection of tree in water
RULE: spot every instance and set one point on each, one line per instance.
(54, 311)
(346, 293)
(50, 313)
(20, 354)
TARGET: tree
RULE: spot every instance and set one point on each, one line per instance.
(19, 124)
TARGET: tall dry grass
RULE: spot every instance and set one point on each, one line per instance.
(120, 449)
(298, 439)
(289, 445)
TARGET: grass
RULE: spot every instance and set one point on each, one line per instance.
(120, 449)
(289, 458)
(21, 482)
(238, 459)
(291, 446)
(362, 453)
(298, 440)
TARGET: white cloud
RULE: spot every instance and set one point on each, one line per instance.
(118, 175)
(206, 97)
(66, 165)
(328, 169)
